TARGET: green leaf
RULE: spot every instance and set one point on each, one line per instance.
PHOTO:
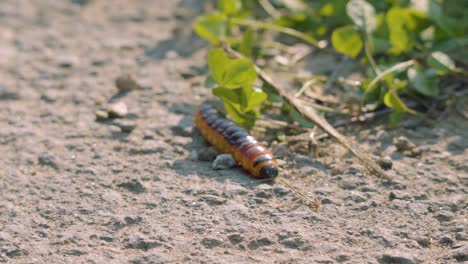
(244, 119)
(400, 38)
(213, 28)
(423, 81)
(441, 62)
(347, 40)
(231, 95)
(230, 73)
(363, 15)
(255, 99)
(247, 43)
(229, 7)
(392, 100)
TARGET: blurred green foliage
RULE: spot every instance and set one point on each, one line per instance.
(404, 43)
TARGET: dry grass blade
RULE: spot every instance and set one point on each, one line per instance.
(312, 203)
(313, 116)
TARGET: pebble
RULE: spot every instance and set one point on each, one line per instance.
(385, 163)
(211, 242)
(184, 127)
(49, 97)
(207, 154)
(444, 216)
(212, 200)
(403, 143)
(126, 126)
(281, 150)
(263, 191)
(74, 252)
(235, 239)
(461, 253)
(255, 244)
(48, 160)
(295, 243)
(67, 61)
(133, 186)
(8, 94)
(193, 156)
(139, 241)
(406, 147)
(424, 241)
(117, 110)
(101, 115)
(125, 83)
(446, 241)
(280, 191)
(223, 162)
(396, 256)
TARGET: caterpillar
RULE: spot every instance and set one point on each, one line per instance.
(227, 137)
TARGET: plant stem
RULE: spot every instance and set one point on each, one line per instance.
(288, 31)
(269, 8)
(381, 75)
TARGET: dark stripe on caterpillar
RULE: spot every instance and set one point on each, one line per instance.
(227, 137)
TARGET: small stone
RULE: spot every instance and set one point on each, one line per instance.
(255, 244)
(148, 134)
(444, 216)
(281, 150)
(133, 220)
(396, 256)
(212, 200)
(446, 241)
(461, 253)
(207, 154)
(126, 126)
(139, 241)
(424, 241)
(280, 191)
(133, 186)
(211, 242)
(114, 130)
(117, 110)
(106, 238)
(126, 83)
(184, 127)
(235, 239)
(412, 153)
(148, 147)
(8, 94)
(385, 163)
(295, 243)
(403, 143)
(48, 160)
(48, 97)
(67, 61)
(302, 160)
(399, 195)
(193, 156)
(81, 2)
(74, 252)
(357, 198)
(223, 162)
(263, 191)
(101, 115)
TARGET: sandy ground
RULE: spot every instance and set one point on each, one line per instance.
(74, 190)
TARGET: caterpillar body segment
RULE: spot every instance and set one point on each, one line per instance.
(227, 137)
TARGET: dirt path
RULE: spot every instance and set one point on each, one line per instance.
(73, 190)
